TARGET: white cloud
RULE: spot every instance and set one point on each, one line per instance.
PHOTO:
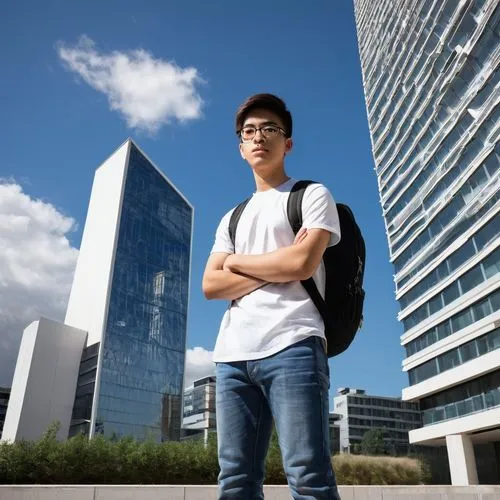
(199, 364)
(37, 263)
(148, 92)
(36, 267)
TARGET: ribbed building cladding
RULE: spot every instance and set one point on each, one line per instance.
(431, 82)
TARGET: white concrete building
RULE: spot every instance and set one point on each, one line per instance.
(44, 383)
(361, 412)
(432, 89)
(199, 409)
(89, 296)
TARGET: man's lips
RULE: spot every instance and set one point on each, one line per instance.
(256, 150)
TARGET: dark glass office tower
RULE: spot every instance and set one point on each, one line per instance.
(144, 344)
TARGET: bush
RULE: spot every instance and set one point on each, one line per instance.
(126, 461)
(101, 461)
(359, 469)
(373, 442)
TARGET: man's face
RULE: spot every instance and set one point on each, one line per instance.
(264, 144)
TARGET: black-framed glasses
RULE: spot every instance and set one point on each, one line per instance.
(248, 132)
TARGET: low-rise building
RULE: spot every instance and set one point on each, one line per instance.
(362, 412)
(334, 432)
(199, 409)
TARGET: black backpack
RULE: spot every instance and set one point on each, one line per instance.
(342, 308)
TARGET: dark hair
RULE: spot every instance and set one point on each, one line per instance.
(268, 102)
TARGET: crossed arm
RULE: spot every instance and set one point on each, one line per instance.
(231, 276)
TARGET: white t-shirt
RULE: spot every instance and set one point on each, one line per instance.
(277, 315)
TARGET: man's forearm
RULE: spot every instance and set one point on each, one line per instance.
(281, 266)
(229, 285)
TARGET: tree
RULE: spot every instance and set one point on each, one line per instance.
(373, 442)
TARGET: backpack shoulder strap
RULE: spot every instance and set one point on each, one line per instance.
(294, 212)
(294, 205)
(235, 218)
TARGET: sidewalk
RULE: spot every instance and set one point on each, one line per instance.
(206, 492)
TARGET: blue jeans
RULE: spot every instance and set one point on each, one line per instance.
(290, 387)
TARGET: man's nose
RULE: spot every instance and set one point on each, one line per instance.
(259, 136)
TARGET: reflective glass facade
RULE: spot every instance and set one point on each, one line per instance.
(432, 90)
(85, 387)
(141, 378)
(4, 401)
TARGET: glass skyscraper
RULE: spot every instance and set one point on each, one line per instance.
(136, 381)
(431, 82)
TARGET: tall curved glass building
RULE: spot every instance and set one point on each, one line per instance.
(432, 89)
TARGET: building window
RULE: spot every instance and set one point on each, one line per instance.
(455, 357)
(477, 311)
(480, 394)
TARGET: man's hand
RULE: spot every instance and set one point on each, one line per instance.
(221, 284)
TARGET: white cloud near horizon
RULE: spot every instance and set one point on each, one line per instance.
(148, 92)
(37, 263)
(199, 364)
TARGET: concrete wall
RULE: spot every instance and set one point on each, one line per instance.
(44, 384)
(180, 492)
(88, 300)
(19, 382)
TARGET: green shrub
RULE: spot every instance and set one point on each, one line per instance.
(373, 442)
(126, 461)
(360, 469)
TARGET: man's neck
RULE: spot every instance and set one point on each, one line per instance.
(266, 181)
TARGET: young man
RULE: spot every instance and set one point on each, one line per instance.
(270, 352)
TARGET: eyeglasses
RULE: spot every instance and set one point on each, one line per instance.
(268, 131)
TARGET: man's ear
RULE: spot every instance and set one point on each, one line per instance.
(288, 145)
(241, 151)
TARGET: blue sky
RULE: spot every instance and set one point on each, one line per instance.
(72, 90)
